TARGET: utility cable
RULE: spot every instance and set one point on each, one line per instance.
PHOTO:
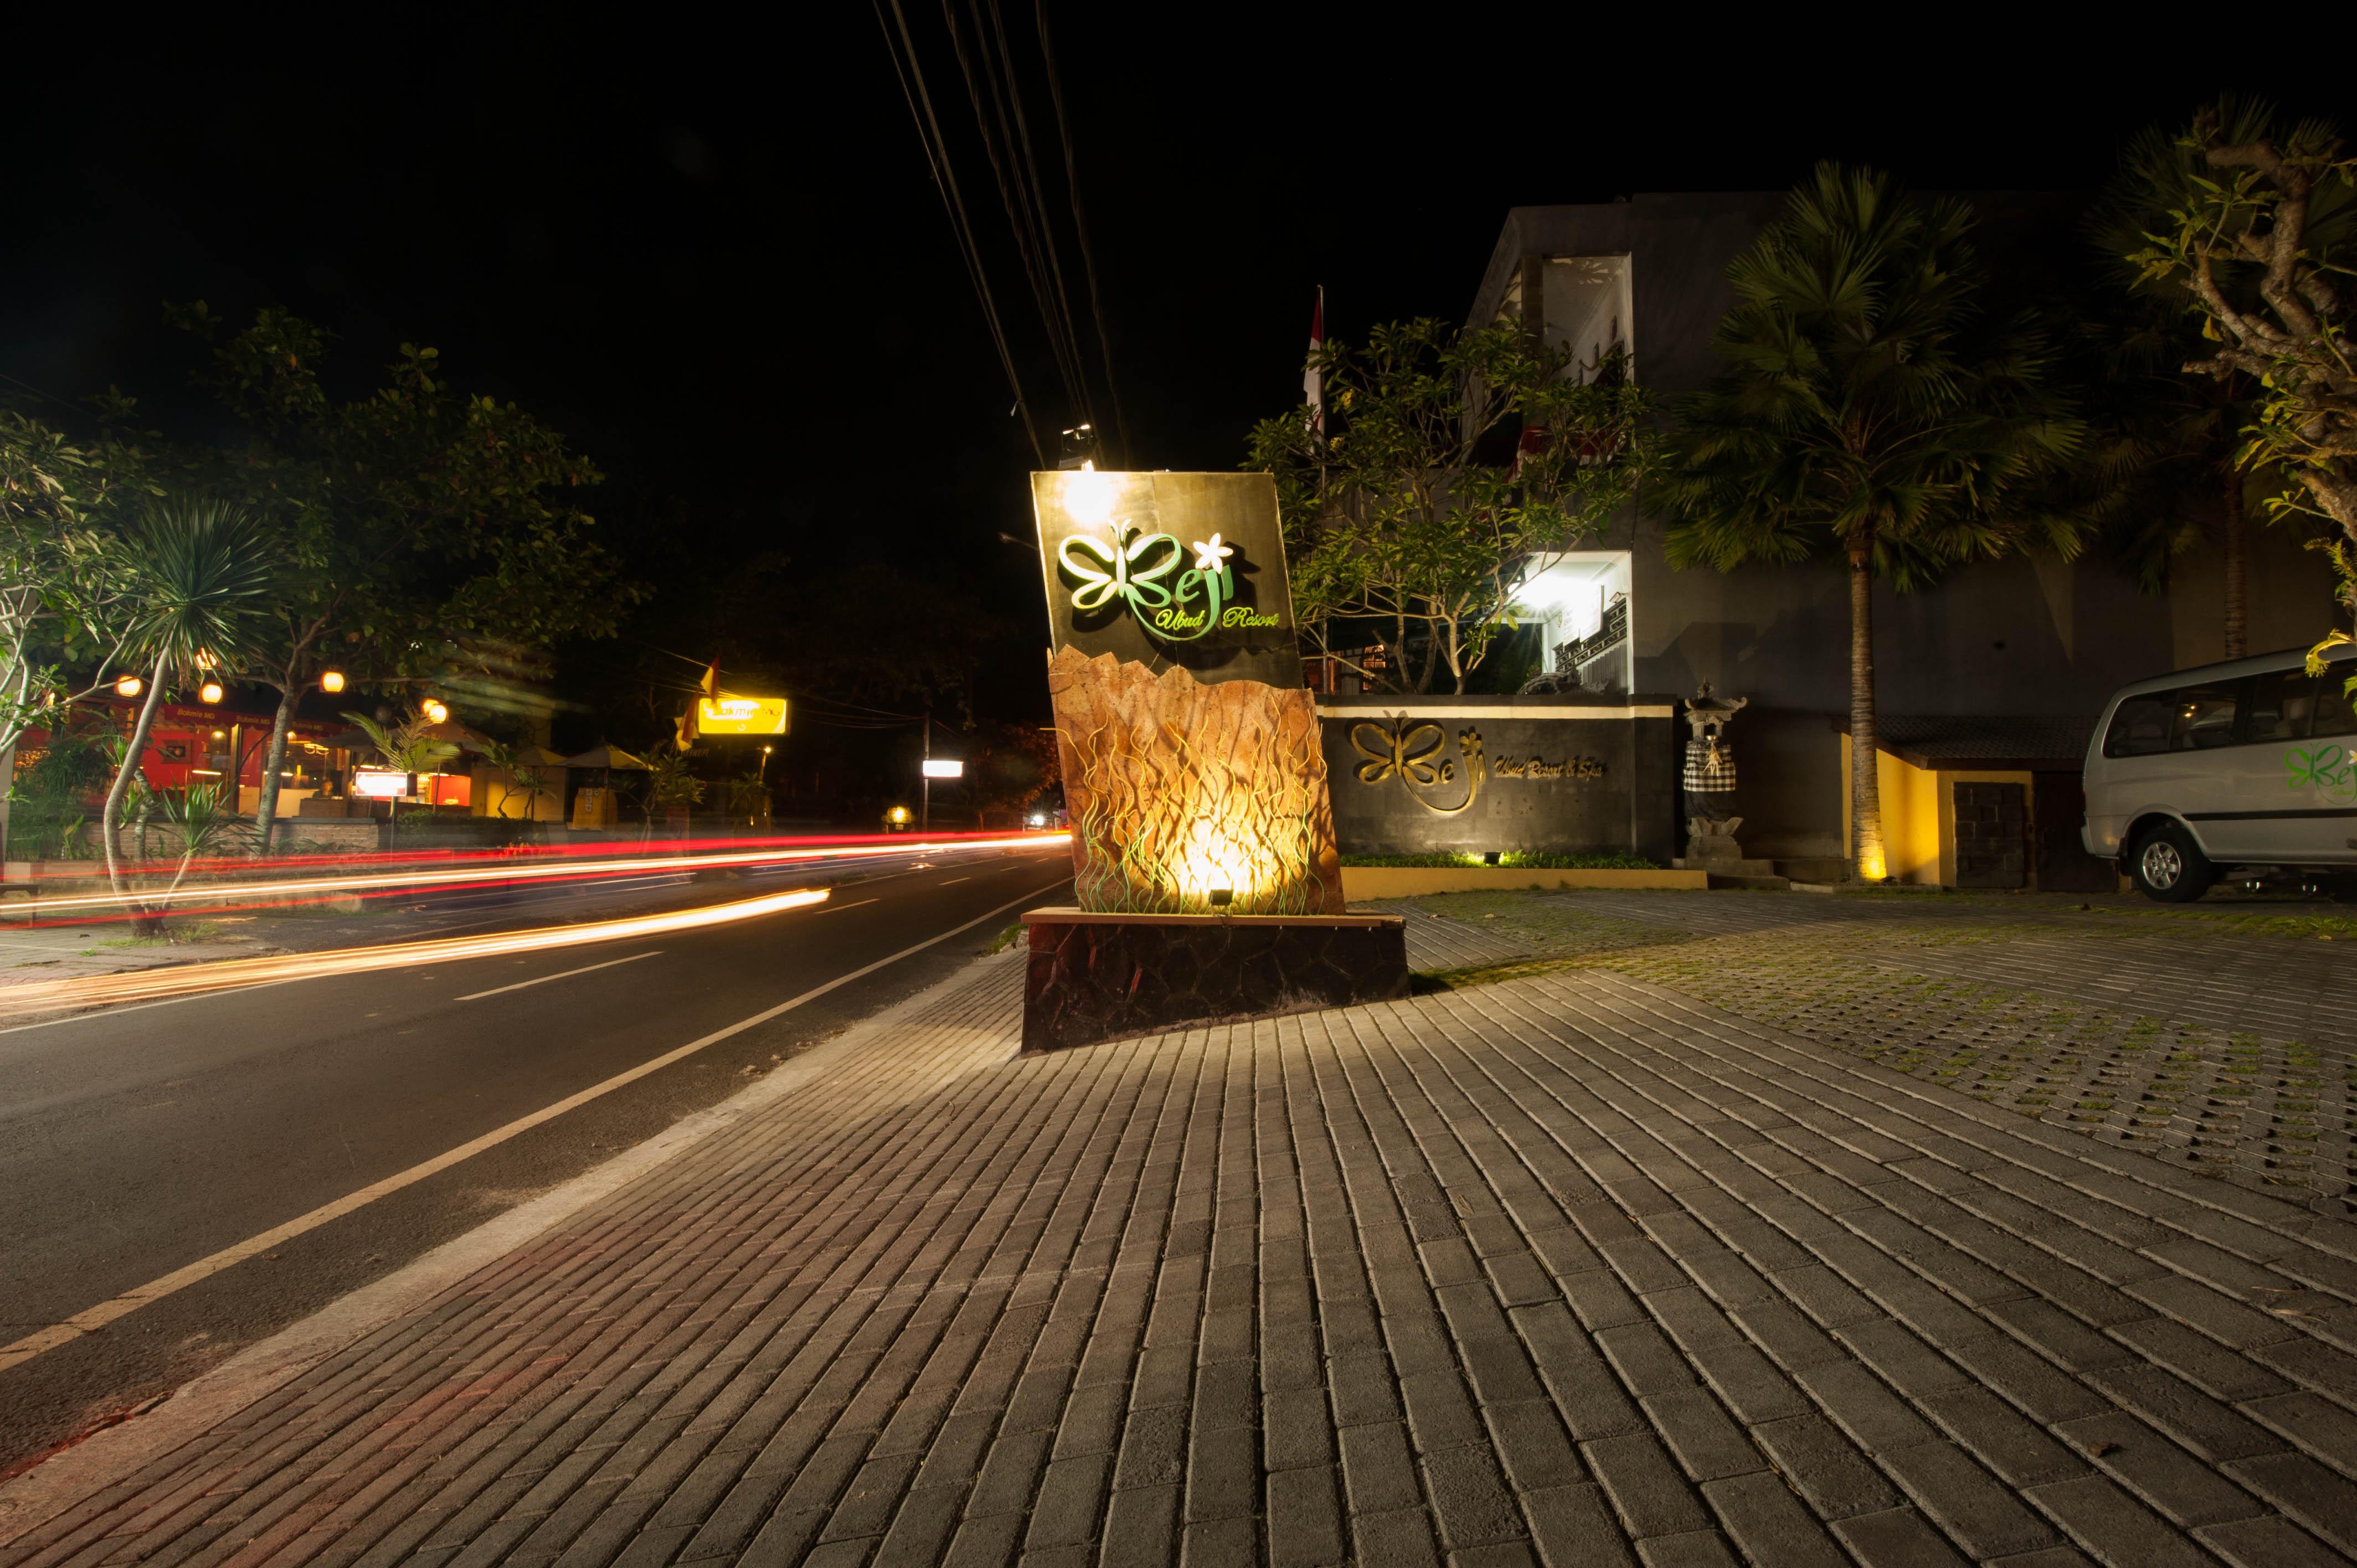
(1021, 218)
(1080, 224)
(1038, 192)
(929, 132)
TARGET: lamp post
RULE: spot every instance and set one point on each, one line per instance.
(925, 811)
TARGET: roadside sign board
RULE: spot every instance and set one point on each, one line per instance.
(727, 715)
(1164, 569)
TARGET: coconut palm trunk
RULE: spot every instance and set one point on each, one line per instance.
(145, 922)
(1867, 860)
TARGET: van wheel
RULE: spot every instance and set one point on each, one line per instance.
(2169, 867)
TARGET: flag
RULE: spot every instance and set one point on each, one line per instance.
(1313, 380)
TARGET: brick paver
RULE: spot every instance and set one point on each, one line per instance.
(2219, 1037)
(1568, 1269)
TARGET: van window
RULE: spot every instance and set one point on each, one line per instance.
(2204, 716)
(2332, 711)
(2140, 727)
(2281, 701)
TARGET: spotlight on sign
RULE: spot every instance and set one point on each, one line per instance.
(944, 768)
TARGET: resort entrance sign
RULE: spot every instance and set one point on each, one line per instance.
(1164, 569)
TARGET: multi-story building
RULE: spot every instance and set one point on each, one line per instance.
(1999, 669)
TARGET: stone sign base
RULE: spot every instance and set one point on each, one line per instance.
(1109, 977)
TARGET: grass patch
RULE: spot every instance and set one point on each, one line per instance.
(174, 934)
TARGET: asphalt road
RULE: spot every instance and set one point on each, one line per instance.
(137, 1141)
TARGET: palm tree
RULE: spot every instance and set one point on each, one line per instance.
(1867, 409)
(409, 747)
(197, 573)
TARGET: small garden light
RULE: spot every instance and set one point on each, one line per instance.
(1490, 858)
(1222, 896)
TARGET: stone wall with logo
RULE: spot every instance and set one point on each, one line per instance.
(1568, 775)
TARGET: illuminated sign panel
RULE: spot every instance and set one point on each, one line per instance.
(943, 768)
(380, 786)
(725, 715)
(1164, 569)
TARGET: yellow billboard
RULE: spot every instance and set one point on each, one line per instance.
(725, 714)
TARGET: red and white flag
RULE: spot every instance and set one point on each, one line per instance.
(1313, 381)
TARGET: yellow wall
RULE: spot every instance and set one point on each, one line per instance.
(1911, 820)
(492, 798)
(1918, 814)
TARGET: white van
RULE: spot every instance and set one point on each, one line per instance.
(2246, 764)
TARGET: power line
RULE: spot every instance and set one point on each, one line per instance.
(929, 132)
(1080, 224)
(1040, 195)
(1018, 195)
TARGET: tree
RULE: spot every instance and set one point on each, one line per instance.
(2260, 246)
(1454, 467)
(407, 527)
(60, 580)
(524, 781)
(2162, 450)
(196, 573)
(1866, 410)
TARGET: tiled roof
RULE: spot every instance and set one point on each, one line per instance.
(1986, 740)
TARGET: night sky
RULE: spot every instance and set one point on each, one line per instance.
(711, 252)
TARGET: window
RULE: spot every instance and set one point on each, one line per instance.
(2204, 716)
(2332, 711)
(2140, 727)
(2281, 701)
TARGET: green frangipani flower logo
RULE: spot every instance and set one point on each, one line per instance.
(1135, 568)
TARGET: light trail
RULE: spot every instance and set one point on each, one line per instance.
(507, 872)
(239, 973)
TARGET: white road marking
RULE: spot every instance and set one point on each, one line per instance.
(130, 1301)
(831, 907)
(953, 882)
(565, 974)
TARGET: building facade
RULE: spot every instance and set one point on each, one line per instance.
(2036, 639)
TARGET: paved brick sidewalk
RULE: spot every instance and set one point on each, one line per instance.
(1570, 1269)
(2217, 1038)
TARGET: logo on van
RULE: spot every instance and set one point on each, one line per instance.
(2328, 769)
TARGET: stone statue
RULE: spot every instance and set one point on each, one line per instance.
(1710, 779)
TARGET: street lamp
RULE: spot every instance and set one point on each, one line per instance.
(129, 686)
(210, 691)
(331, 680)
(436, 711)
